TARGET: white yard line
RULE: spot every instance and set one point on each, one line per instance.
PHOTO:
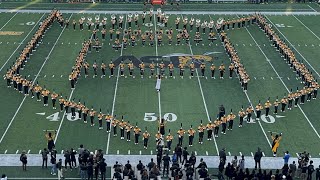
(156, 46)
(35, 80)
(312, 8)
(36, 24)
(293, 47)
(116, 88)
(306, 27)
(8, 21)
(283, 83)
(203, 99)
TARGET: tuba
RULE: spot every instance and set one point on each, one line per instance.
(151, 10)
(83, 18)
(89, 18)
(167, 16)
(159, 10)
(144, 13)
(113, 17)
(121, 17)
(220, 21)
(105, 18)
(198, 20)
(129, 15)
(178, 18)
(97, 18)
(136, 15)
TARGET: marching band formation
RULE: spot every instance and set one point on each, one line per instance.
(112, 123)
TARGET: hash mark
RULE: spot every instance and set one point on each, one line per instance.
(271, 78)
(52, 75)
(61, 75)
(195, 153)
(17, 151)
(252, 154)
(240, 153)
(151, 152)
(140, 152)
(229, 153)
(29, 151)
(5, 151)
(207, 153)
(263, 154)
(288, 78)
(40, 151)
(62, 151)
(117, 151)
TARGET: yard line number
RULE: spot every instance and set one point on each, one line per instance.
(170, 117)
(55, 117)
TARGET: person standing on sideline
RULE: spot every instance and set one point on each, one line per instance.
(103, 169)
(257, 158)
(241, 163)
(286, 157)
(166, 161)
(44, 154)
(54, 164)
(60, 169)
(222, 155)
(23, 159)
(185, 154)
(318, 173)
(293, 169)
(310, 170)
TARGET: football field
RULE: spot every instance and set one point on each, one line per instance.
(182, 101)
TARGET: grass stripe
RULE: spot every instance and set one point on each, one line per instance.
(306, 27)
(8, 21)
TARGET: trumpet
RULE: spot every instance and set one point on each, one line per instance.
(97, 18)
(136, 15)
(151, 10)
(186, 19)
(129, 15)
(178, 18)
(113, 16)
(121, 17)
(105, 18)
(144, 13)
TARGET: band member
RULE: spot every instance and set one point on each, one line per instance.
(103, 34)
(74, 24)
(224, 124)
(203, 68)
(141, 67)
(111, 67)
(259, 107)
(54, 99)
(92, 113)
(114, 124)
(121, 68)
(191, 133)
(100, 118)
(25, 84)
(111, 33)
(122, 125)
(177, 21)
(249, 111)
(81, 24)
(296, 98)
(162, 68)
(143, 17)
(180, 133)
(169, 139)
(108, 122)
(85, 112)
(50, 136)
(221, 70)
(151, 66)
(290, 100)
(210, 127)
(171, 68)
(191, 23)
(230, 119)
(128, 131)
(95, 67)
(303, 93)
(146, 137)
(131, 68)
(162, 124)
(45, 93)
(103, 69)
(181, 67)
(241, 115)
(276, 105)
(217, 123)
(192, 67)
(61, 103)
(37, 90)
(79, 108)
(178, 39)
(275, 143)
(212, 68)
(86, 69)
(284, 102)
(267, 106)
(137, 132)
(197, 38)
(231, 69)
(201, 129)
(73, 109)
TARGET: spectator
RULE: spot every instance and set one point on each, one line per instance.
(293, 168)
(192, 159)
(304, 169)
(228, 171)
(221, 165)
(53, 161)
(44, 155)
(318, 173)
(60, 169)
(83, 171)
(140, 167)
(103, 169)
(285, 169)
(151, 164)
(257, 159)
(286, 157)
(73, 157)
(128, 165)
(234, 161)
(90, 171)
(222, 155)
(166, 161)
(159, 159)
(202, 163)
(117, 167)
(117, 175)
(144, 175)
(178, 151)
(241, 163)
(67, 159)
(185, 154)
(4, 177)
(24, 160)
(310, 170)
(203, 173)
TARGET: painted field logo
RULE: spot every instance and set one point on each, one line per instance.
(11, 33)
(197, 58)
